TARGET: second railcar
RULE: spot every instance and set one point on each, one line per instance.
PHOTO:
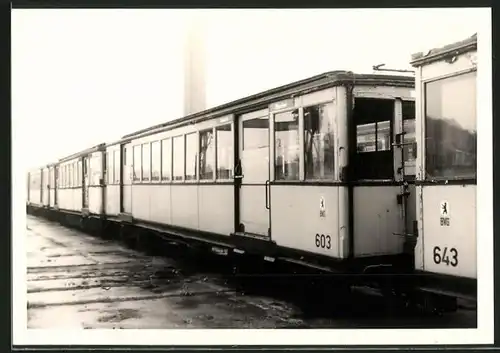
(309, 171)
(446, 252)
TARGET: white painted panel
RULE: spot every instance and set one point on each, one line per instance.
(140, 201)
(159, 203)
(77, 199)
(377, 216)
(216, 208)
(459, 235)
(35, 196)
(52, 197)
(95, 200)
(442, 68)
(185, 205)
(384, 92)
(253, 212)
(323, 96)
(113, 199)
(295, 218)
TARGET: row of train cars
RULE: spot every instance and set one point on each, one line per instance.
(361, 175)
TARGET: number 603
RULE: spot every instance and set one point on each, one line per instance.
(323, 241)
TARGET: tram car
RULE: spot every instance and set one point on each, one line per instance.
(446, 178)
(309, 173)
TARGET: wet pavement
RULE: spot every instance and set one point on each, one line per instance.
(77, 280)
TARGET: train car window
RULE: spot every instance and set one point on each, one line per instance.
(286, 136)
(178, 158)
(75, 174)
(207, 155)
(191, 156)
(116, 166)
(109, 167)
(137, 163)
(155, 161)
(373, 137)
(146, 162)
(96, 168)
(410, 147)
(319, 151)
(70, 175)
(256, 133)
(450, 124)
(373, 157)
(224, 152)
(166, 159)
(80, 173)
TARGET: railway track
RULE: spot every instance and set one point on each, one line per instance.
(78, 280)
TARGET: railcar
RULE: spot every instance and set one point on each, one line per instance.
(446, 178)
(306, 173)
(318, 173)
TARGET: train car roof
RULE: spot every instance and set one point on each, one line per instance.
(436, 54)
(264, 98)
(87, 151)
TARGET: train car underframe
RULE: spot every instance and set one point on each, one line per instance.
(393, 278)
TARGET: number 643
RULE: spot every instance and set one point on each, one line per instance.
(442, 256)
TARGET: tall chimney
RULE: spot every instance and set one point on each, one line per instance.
(194, 66)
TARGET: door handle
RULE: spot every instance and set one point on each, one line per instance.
(268, 187)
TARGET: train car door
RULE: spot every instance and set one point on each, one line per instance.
(85, 182)
(253, 174)
(126, 179)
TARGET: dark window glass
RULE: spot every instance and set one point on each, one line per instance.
(207, 155)
(224, 151)
(451, 135)
(319, 152)
(286, 136)
(374, 137)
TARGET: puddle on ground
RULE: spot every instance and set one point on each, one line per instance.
(120, 315)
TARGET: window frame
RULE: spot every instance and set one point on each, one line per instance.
(300, 131)
(234, 144)
(170, 145)
(422, 150)
(158, 161)
(136, 177)
(196, 140)
(116, 167)
(214, 141)
(330, 105)
(173, 179)
(148, 144)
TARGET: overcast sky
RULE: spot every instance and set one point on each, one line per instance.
(81, 77)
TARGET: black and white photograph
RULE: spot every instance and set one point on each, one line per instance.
(252, 176)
